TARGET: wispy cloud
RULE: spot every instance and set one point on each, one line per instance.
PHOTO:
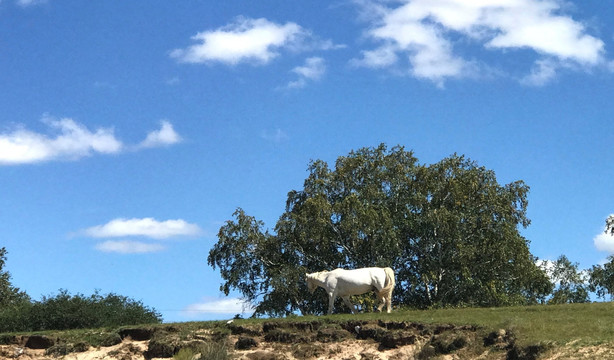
(246, 40)
(149, 230)
(128, 247)
(147, 227)
(422, 31)
(70, 140)
(230, 306)
(163, 137)
(27, 3)
(276, 136)
(313, 69)
(173, 81)
(543, 71)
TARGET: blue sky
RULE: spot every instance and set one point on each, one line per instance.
(130, 131)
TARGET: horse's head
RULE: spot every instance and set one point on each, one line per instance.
(311, 285)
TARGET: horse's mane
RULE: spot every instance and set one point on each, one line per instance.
(317, 275)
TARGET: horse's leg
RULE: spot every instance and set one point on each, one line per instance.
(331, 302)
(348, 303)
(386, 300)
(382, 301)
(381, 304)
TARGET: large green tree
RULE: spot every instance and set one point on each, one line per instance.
(449, 230)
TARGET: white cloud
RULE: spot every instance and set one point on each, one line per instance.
(128, 247)
(313, 69)
(229, 306)
(147, 227)
(381, 57)
(245, 40)
(604, 242)
(74, 141)
(422, 32)
(163, 137)
(71, 141)
(256, 41)
(543, 71)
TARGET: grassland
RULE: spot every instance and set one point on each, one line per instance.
(590, 323)
(554, 326)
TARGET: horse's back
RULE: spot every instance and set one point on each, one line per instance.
(357, 281)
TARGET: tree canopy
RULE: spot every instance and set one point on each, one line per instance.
(571, 284)
(449, 230)
(601, 279)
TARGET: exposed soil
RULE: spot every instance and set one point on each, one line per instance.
(345, 340)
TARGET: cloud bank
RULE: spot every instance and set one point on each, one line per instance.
(147, 227)
(231, 306)
(71, 141)
(421, 35)
(434, 40)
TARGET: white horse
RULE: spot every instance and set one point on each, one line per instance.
(345, 283)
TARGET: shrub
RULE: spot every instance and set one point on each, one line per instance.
(65, 311)
(185, 354)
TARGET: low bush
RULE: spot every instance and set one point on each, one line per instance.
(65, 311)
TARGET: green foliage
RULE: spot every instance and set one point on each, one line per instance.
(570, 283)
(449, 231)
(63, 349)
(207, 351)
(66, 311)
(601, 278)
(10, 296)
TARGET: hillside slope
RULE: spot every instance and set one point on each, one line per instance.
(541, 332)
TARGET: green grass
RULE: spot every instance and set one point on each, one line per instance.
(588, 324)
(585, 324)
(561, 324)
(557, 325)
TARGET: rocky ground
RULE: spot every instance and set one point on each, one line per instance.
(342, 340)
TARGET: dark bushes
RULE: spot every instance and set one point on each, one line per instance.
(65, 311)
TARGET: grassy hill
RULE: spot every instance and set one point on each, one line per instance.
(556, 331)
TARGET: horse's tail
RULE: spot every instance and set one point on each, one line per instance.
(389, 284)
